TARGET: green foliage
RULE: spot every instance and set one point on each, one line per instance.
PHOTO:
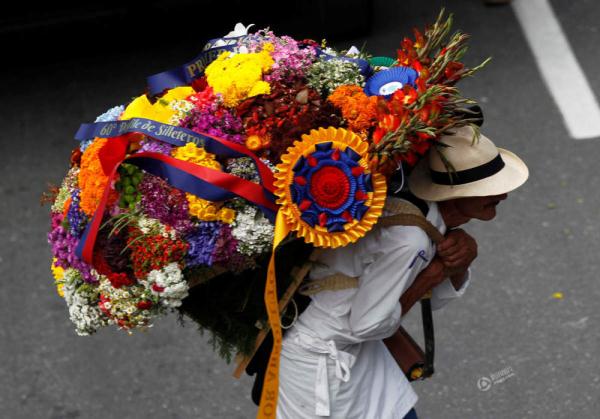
(230, 306)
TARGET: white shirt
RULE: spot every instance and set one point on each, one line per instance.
(333, 362)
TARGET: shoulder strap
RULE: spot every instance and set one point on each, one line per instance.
(406, 213)
(417, 202)
(409, 212)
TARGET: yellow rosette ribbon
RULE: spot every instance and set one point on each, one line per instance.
(330, 197)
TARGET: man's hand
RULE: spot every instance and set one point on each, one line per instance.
(432, 275)
(458, 250)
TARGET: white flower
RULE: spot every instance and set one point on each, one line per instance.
(330, 51)
(239, 30)
(64, 193)
(181, 108)
(153, 226)
(168, 284)
(253, 232)
(87, 318)
(353, 51)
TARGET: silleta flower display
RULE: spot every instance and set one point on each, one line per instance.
(262, 139)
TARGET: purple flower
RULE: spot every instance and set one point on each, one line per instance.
(202, 241)
(76, 218)
(165, 203)
(63, 249)
(225, 245)
(291, 60)
(154, 146)
(216, 121)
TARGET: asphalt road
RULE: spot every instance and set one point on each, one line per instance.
(537, 355)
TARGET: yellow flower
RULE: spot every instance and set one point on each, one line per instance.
(60, 290)
(260, 88)
(226, 215)
(159, 111)
(58, 273)
(197, 155)
(239, 76)
(202, 209)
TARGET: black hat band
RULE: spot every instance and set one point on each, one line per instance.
(469, 175)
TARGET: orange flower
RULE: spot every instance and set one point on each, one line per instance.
(66, 206)
(92, 180)
(357, 108)
(254, 142)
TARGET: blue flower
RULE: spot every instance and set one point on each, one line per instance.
(202, 241)
(110, 115)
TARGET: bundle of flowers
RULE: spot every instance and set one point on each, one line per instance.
(265, 137)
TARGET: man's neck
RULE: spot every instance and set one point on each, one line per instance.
(451, 215)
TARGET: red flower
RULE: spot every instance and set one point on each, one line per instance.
(420, 82)
(76, 157)
(410, 158)
(101, 304)
(144, 305)
(119, 280)
(403, 58)
(419, 39)
(202, 98)
(452, 70)
(407, 45)
(199, 84)
(416, 64)
(378, 135)
(157, 287)
(154, 252)
(390, 122)
(406, 95)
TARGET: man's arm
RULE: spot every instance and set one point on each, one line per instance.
(376, 306)
(455, 254)
(426, 280)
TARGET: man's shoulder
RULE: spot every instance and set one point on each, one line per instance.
(411, 238)
(407, 204)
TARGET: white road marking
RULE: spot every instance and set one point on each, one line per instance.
(559, 68)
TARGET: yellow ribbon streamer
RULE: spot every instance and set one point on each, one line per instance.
(268, 400)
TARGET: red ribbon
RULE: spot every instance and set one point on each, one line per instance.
(114, 153)
(268, 180)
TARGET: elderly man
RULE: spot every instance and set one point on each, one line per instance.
(483, 176)
(333, 361)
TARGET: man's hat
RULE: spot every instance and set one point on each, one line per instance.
(481, 169)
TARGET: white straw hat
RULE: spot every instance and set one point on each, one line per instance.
(482, 169)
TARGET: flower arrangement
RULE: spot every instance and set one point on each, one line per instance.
(176, 194)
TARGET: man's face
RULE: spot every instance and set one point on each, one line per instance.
(480, 207)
